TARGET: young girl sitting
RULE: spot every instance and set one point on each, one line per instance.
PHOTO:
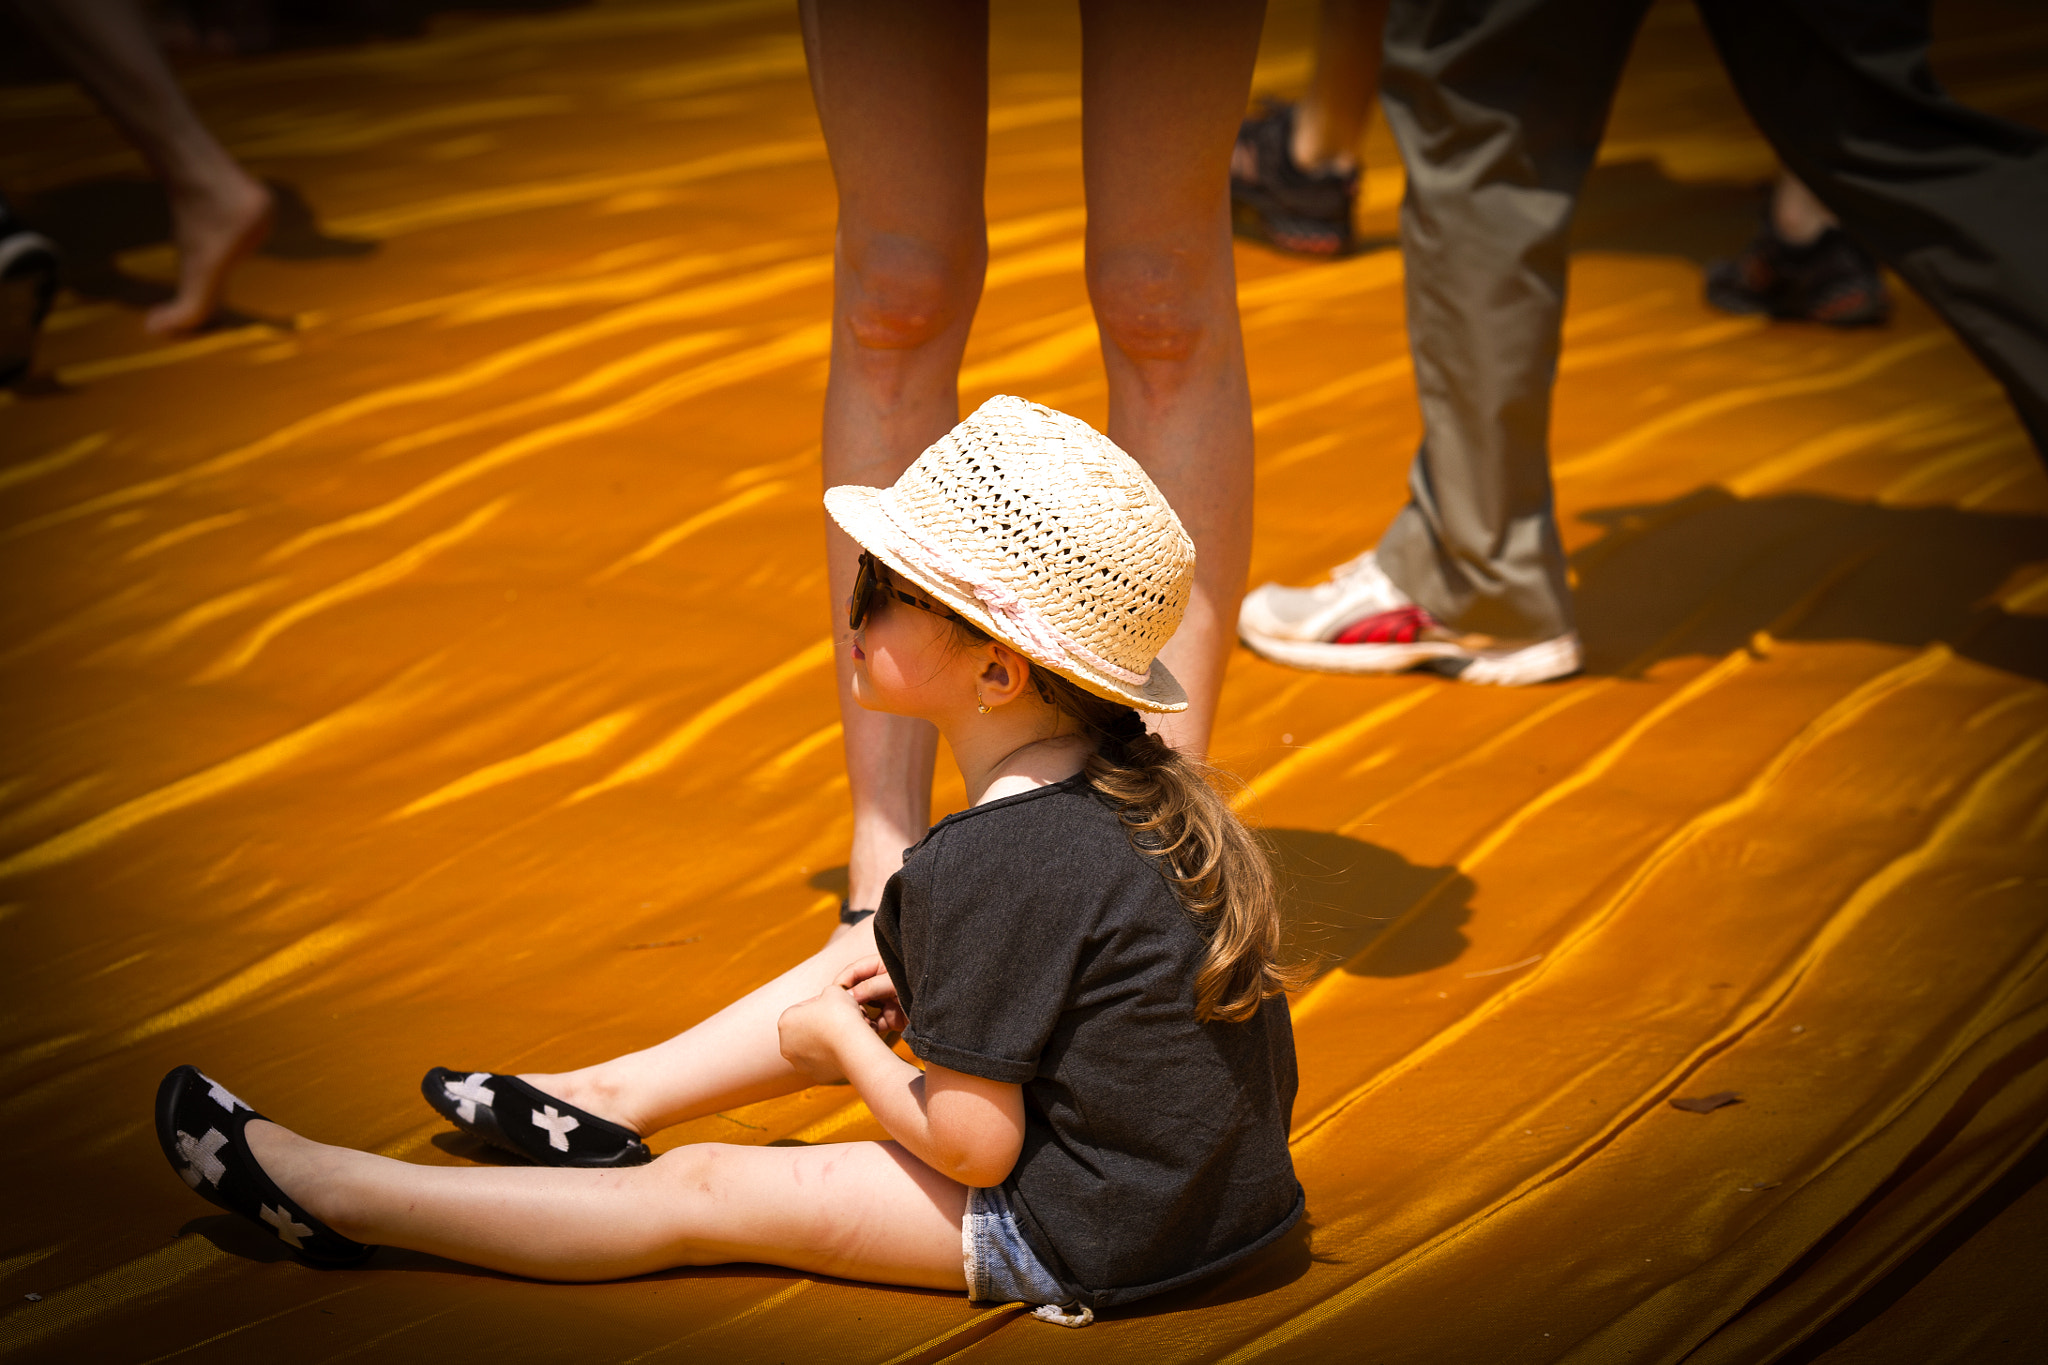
(1084, 960)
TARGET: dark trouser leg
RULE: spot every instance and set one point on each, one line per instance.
(1954, 200)
(1498, 110)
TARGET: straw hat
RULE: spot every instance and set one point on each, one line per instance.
(1038, 529)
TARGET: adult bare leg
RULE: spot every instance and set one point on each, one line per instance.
(861, 1210)
(1796, 216)
(219, 212)
(1163, 87)
(732, 1058)
(1330, 119)
(902, 92)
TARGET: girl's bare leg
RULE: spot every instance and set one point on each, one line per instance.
(1330, 119)
(1164, 84)
(859, 1210)
(732, 1058)
(219, 213)
(902, 92)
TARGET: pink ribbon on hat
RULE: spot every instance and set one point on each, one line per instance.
(1035, 631)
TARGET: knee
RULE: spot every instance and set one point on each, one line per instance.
(898, 292)
(694, 1166)
(1151, 303)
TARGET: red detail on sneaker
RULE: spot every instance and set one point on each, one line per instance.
(1401, 626)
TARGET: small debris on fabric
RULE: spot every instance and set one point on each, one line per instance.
(1706, 1104)
(1512, 966)
(1799, 1028)
(33, 1298)
(1759, 1186)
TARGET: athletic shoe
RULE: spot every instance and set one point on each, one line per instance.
(201, 1127)
(510, 1114)
(1272, 200)
(1359, 622)
(1830, 280)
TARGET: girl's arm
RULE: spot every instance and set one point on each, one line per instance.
(962, 1126)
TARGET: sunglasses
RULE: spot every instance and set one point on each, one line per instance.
(870, 579)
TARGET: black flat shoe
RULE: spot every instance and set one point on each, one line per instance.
(200, 1127)
(510, 1114)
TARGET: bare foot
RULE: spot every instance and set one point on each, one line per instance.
(214, 225)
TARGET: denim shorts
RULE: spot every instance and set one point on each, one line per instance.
(1001, 1267)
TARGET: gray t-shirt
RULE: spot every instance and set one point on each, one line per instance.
(1030, 943)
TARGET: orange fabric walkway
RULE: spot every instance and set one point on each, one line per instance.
(430, 667)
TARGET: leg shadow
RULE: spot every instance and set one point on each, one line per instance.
(94, 221)
(1702, 574)
(1632, 206)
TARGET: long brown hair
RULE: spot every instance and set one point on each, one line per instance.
(1173, 813)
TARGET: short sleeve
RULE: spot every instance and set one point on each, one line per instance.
(996, 945)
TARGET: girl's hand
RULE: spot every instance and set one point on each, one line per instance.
(812, 1030)
(875, 993)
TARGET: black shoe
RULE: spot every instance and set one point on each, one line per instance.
(507, 1112)
(200, 1125)
(1830, 280)
(1272, 200)
(28, 285)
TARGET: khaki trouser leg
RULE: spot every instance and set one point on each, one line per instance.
(1498, 110)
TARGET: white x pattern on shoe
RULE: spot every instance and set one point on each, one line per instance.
(470, 1093)
(559, 1127)
(198, 1156)
(222, 1097)
(286, 1228)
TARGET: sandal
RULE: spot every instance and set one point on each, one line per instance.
(1272, 200)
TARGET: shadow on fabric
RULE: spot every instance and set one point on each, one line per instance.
(1702, 574)
(1633, 206)
(1365, 908)
(94, 221)
(1348, 903)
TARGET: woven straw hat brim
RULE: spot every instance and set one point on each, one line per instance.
(859, 513)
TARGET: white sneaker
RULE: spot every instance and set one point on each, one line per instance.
(1359, 622)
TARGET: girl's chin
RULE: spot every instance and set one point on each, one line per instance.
(870, 698)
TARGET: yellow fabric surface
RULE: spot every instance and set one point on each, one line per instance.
(429, 668)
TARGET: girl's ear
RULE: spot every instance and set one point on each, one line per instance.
(1004, 677)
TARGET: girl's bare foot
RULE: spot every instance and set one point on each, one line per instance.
(214, 225)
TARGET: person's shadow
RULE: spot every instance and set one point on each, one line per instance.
(1702, 574)
(1346, 902)
(1633, 206)
(94, 221)
(1365, 908)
